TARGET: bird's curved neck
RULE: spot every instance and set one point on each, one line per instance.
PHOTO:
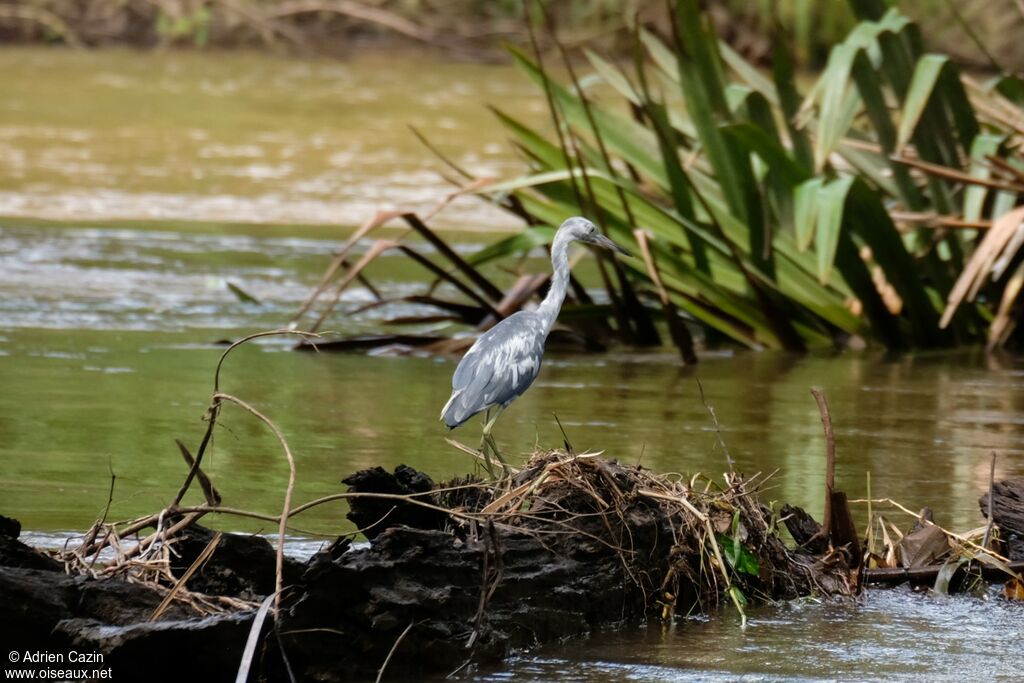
(552, 304)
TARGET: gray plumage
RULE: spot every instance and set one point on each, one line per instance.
(502, 364)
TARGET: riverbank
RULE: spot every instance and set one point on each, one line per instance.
(464, 30)
(975, 32)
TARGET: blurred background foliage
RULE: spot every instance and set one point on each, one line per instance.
(974, 32)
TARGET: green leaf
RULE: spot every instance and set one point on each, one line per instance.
(748, 72)
(837, 104)
(1012, 88)
(241, 294)
(738, 556)
(830, 211)
(623, 136)
(805, 211)
(974, 195)
(945, 574)
(738, 596)
(701, 82)
(839, 101)
(789, 101)
(516, 244)
(868, 83)
(922, 85)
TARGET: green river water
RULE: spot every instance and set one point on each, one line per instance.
(163, 176)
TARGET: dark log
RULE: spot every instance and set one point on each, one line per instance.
(843, 529)
(198, 649)
(34, 601)
(243, 565)
(924, 544)
(14, 553)
(467, 595)
(1008, 513)
(373, 516)
(353, 609)
(479, 593)
(590, 547)
(806, 532)
(926, 575)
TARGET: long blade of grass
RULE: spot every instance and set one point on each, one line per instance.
(789, 102)
(922, 86)
(830, 212)
(983, 147)
(869, 85)
(805, 214)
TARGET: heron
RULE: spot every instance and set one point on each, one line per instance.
(503, 362)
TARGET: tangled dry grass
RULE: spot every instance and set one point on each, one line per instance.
(686, 542)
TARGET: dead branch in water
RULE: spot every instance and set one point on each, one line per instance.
(830, 460)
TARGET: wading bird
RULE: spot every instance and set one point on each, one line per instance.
(502, 364)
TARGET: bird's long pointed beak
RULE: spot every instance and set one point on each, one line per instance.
(602, 241)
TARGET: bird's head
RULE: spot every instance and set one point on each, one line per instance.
(582, 230)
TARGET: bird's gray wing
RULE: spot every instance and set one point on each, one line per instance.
(500, 366)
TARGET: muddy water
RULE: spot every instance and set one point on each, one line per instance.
(246, 137)
(107, 344)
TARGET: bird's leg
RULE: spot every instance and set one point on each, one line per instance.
(488, 465)
(489, 440)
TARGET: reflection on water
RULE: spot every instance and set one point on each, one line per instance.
(106, 355)
(246, 136)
